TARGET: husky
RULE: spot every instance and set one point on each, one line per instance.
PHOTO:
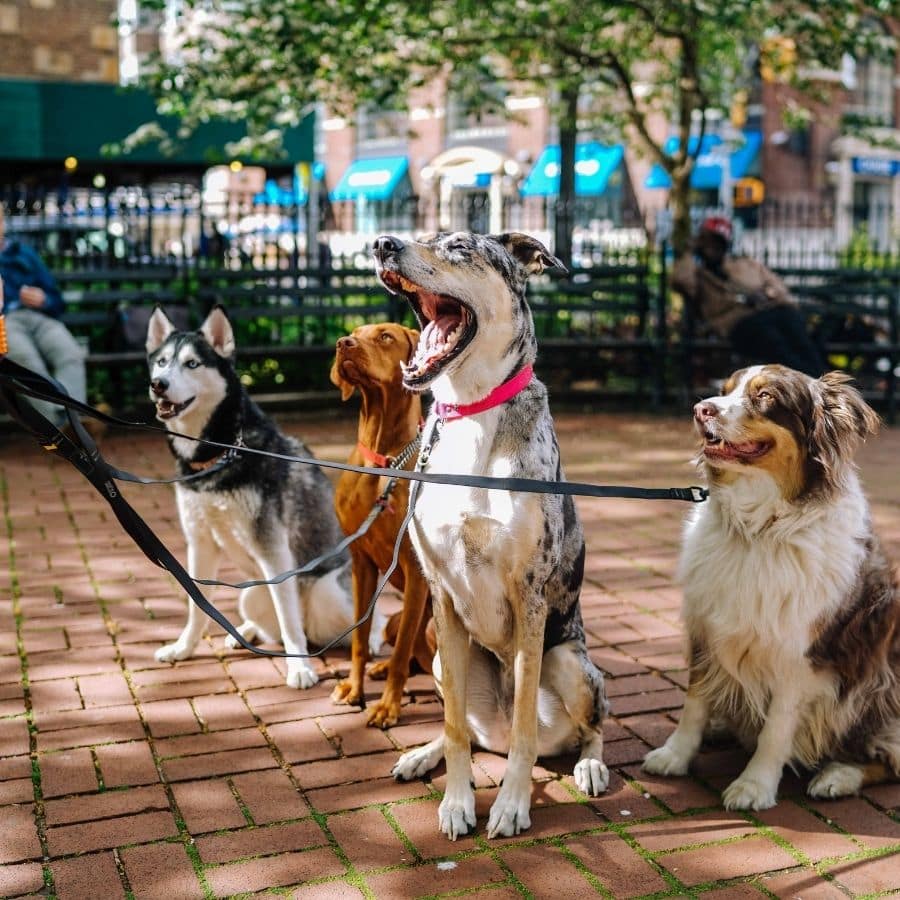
(263, 515)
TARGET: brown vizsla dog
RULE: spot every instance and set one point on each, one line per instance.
(369, 360)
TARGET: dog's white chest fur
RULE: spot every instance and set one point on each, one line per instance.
(759, 579)
(227, 518)
(474, 543)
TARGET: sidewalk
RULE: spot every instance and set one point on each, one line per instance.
(124, 777)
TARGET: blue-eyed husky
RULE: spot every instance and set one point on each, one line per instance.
(263, 515)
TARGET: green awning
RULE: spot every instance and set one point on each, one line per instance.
(47, 121)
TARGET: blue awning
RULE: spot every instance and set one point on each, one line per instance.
(275, 195)
(374, 179)
(707, 173)
(594, 163)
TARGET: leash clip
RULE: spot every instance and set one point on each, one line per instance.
(698, 494)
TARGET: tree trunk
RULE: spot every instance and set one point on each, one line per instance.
(680, 206)
(565, 202)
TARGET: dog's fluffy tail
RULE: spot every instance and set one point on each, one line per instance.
(329, 610)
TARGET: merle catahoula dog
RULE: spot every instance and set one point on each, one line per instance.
(264, 515)
(505, 569)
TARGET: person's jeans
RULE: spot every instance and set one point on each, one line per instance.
(778, 335)
(44, 345)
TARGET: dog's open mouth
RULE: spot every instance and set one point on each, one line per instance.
(715, 447)
(447, 327)
(166, 409)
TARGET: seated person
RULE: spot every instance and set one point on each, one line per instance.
(741, 300)
(38, 340)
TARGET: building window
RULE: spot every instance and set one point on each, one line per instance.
(375, 125)
(872, 97)
(477, 110)
(870, 83)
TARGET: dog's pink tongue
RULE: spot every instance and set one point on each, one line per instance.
(748, 447)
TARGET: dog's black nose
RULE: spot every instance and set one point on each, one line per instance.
(159, 386)
(705, 410)
(386, 246)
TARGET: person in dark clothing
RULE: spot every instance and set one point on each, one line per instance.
(741, 300)
(38, 340)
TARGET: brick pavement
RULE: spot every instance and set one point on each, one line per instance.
(124, 777)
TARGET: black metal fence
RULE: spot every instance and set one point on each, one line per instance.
(176, 223)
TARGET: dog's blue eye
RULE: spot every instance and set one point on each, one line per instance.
(161, 361)
(191, 364)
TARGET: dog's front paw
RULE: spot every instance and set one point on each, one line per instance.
(836, 780)
(456, 815)
(510, 813)
(417, 762)
(746, 792)
(591, 776)
(300, 674)
(383, 714)
(665, 761)
(174, 652)
(346, 692)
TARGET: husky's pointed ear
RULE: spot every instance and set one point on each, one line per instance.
(530, 253)
(339, 381)
(158, 329)
(218, 332)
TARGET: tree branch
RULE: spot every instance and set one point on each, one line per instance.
(636, 116)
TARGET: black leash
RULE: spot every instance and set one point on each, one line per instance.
(16, 381)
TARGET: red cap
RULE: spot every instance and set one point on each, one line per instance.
(717, 225)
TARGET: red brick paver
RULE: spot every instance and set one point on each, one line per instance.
(122, 776)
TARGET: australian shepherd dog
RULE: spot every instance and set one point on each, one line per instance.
(791, 609)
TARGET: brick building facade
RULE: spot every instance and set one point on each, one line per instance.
(61, 40)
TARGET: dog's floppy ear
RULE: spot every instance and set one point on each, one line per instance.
(339, 381)
(841, 419)
(158, 329)
(218, 332)
(533, 256)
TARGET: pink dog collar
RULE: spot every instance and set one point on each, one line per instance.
(506, 391)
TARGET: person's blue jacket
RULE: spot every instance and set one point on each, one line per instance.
(20, 265)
